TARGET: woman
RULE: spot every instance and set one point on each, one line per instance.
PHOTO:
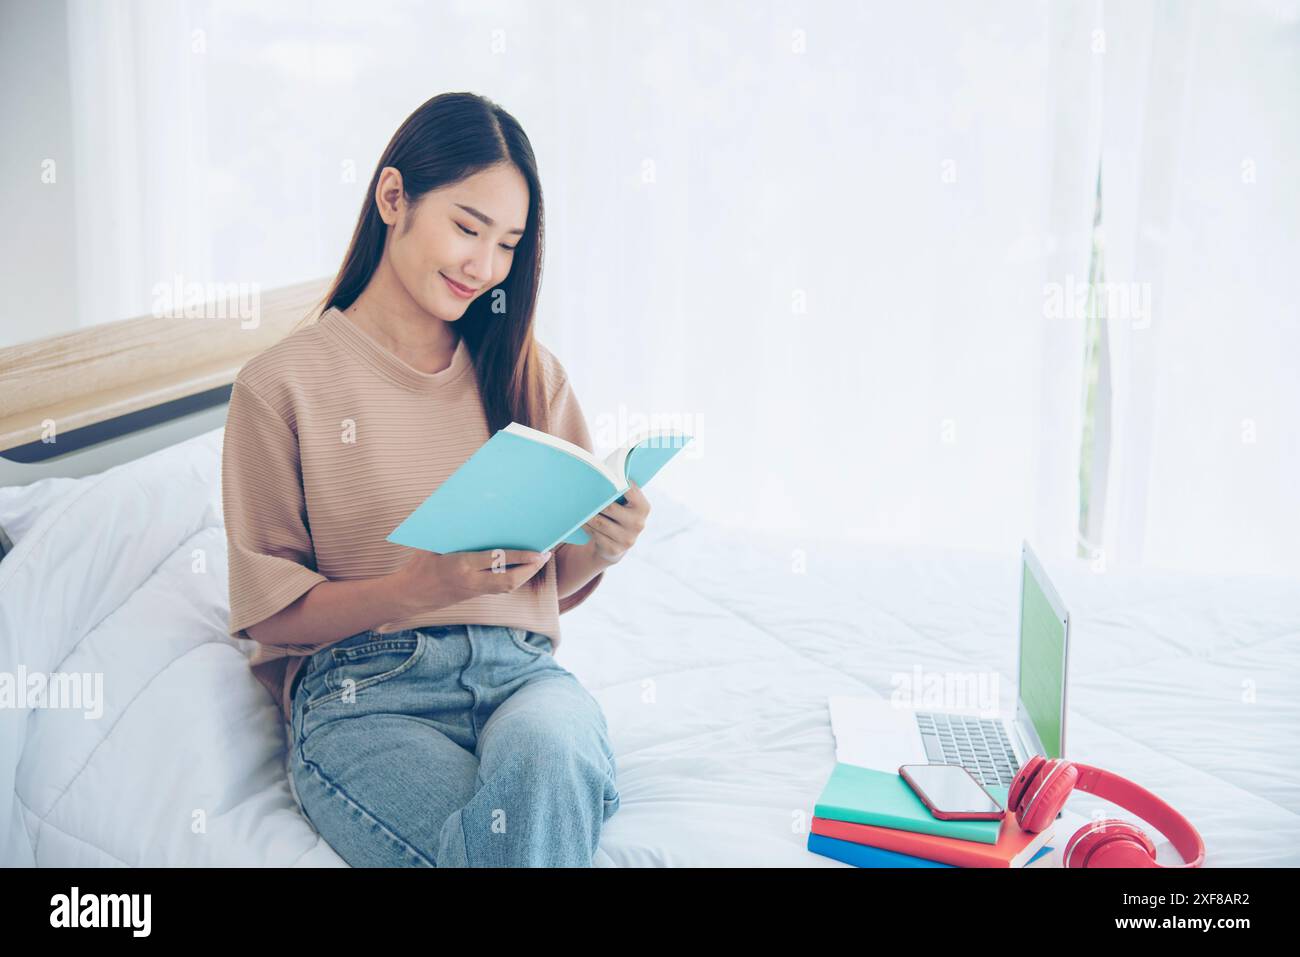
(430, 724)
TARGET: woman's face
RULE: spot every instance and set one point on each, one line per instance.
(457, 236)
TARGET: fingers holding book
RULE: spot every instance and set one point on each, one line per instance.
(617, 527)
(430, 580)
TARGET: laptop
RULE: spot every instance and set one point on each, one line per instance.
(879, 733)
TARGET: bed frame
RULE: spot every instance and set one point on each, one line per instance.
(78, 403)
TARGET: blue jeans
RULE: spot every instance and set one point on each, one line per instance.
(451, 746)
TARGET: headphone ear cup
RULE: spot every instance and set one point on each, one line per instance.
(1046, 794)
(1020, 783)
(1110, 843)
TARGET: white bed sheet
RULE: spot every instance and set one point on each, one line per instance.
(712, 655)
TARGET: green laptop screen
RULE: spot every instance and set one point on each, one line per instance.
(1042, 663)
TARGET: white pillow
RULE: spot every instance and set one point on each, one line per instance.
(81, 556)
(22, 505)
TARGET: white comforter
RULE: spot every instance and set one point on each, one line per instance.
(712, 655)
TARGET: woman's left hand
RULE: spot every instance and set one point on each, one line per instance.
(616, 528)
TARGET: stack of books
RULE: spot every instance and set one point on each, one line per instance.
(871, 818)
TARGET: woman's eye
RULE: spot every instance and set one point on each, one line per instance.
(471, 232)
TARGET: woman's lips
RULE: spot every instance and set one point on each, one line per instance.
(458, 289)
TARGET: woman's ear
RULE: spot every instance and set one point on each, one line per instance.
(389, 195)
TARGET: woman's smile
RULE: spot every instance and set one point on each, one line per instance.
(464, 292)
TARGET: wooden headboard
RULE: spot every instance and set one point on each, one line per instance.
(80, 402)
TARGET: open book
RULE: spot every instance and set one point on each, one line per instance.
(529, 490)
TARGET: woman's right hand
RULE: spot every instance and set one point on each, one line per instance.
(429, 580)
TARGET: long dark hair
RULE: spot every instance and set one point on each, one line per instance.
(450, 137)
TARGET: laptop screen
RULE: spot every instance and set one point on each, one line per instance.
(1042, 662)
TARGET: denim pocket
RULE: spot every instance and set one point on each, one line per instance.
(365, 664)
(531, 641)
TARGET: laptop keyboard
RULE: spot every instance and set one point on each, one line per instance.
(979, 745)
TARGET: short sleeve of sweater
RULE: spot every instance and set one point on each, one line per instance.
(271, 559)
(567, 421)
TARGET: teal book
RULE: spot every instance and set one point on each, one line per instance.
(529, 490)
(868, 796)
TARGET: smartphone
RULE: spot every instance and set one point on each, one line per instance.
(951, 792)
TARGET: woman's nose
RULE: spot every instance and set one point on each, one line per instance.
(479, 268)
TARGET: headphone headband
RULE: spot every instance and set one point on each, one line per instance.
(1138, 800)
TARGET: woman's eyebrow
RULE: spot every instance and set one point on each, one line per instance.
(484, 218)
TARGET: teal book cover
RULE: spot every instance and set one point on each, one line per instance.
(526, 489)
(868, 796)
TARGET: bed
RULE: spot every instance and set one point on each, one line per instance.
(712, 651)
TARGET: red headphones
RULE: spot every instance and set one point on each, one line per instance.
(1039, 792)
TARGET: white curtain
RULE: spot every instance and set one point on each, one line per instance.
(825, 230)
(1202, 213)
(825, 237)
(140, 153)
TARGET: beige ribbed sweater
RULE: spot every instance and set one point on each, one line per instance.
(331, 441)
